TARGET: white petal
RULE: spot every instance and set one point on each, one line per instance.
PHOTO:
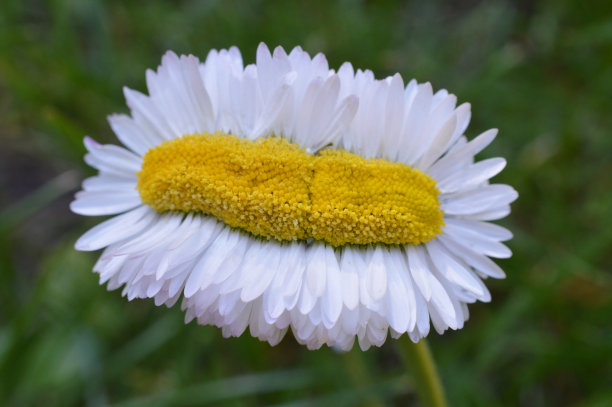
(132, 135)
(104, 203)
(477, 242)
(204, 271)
(471, 176)
(258, 270)
(331, 301)
(376, 275)
(489, 214)
(478, 200)
(159, 232)
(147, 114)
(417, 261)
(233, 261)
(350, 279)
(115, 229)
(295, 275)
(394, 117)
(452, 270)
(109, 183)
(458, 157)
(414, 123)
(492, 231)
(479, 262)
(315, 270)
(439, 144)
(112, 159)
(402, 307)
(441, 302)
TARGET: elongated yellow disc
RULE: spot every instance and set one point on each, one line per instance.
(272, 188)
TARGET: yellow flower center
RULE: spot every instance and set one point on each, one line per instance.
(272, 188)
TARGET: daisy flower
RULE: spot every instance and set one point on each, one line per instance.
(287, 195)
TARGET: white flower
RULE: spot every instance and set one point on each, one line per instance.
(327, 291)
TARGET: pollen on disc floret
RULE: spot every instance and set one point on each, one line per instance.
(359, 201)
(273, 189)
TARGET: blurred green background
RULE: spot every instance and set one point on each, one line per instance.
(540, 71)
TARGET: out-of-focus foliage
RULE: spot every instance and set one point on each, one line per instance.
(539, 71)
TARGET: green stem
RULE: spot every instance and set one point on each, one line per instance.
(427, 384)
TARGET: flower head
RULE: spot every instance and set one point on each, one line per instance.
(286, 195)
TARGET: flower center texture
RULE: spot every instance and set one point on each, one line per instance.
(274, 189)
